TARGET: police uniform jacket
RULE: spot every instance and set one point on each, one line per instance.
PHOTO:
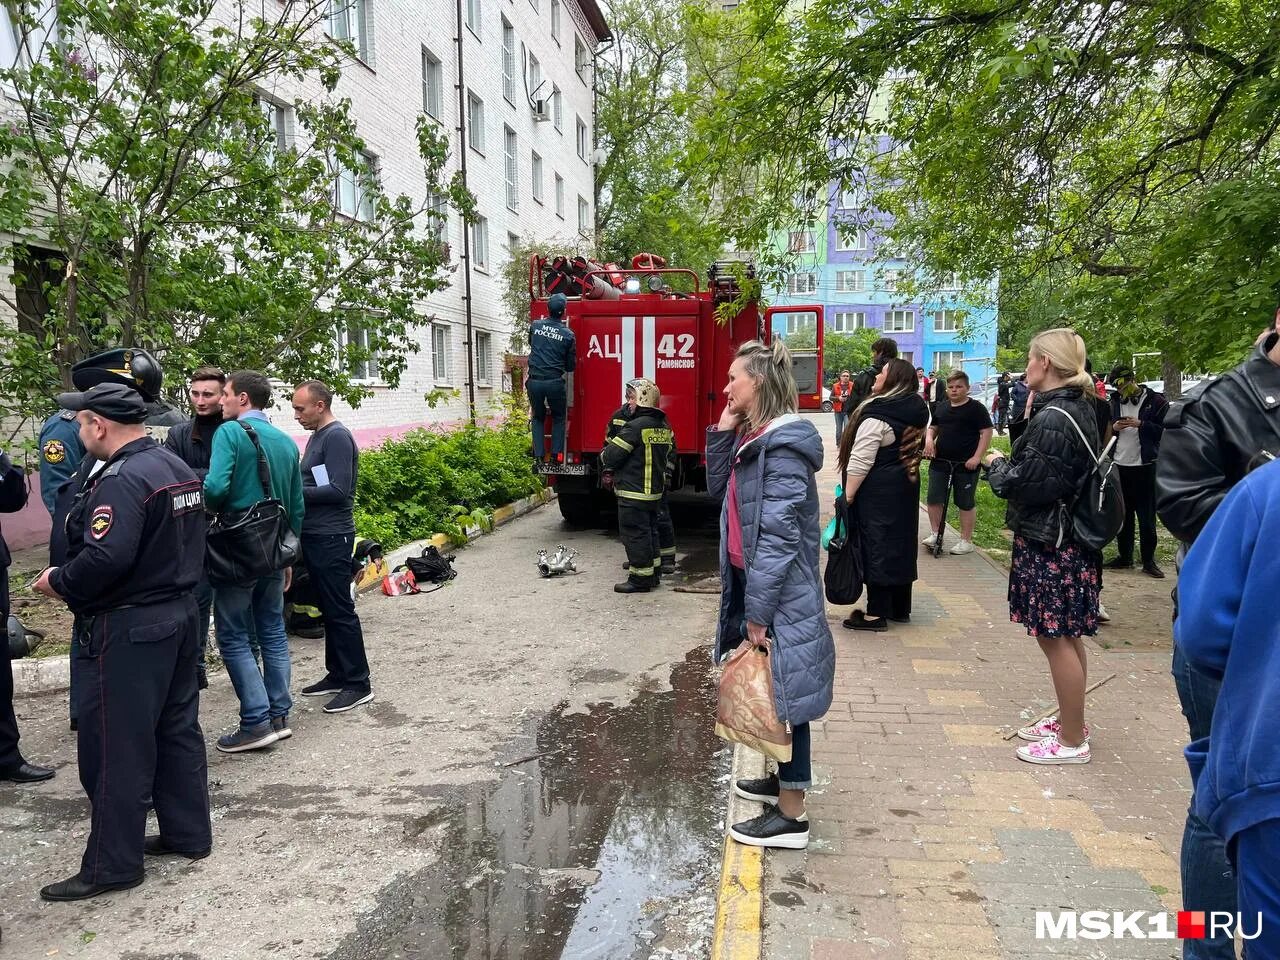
(144, 533)
(60, 455)
(553, 350)
(639, 455)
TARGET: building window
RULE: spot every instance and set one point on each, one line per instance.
(580, 58)
(508, 62)
(908, 355)
(440, 352)
(847, 321)
(802, 283)
(360, 358)
(889, 280)
(945, 361)
(438, 216)
(946, 321)
(584, 215)
(852, 199)
(850, 239)
(432, 85)
(480, 244)
(277, 117)
(353, 190)
(473, 17)
(559, 196)
(347, 22)
(801, 241)
(535, 75)
(584, 147)
(475, 123)
(555, 21)
(900, 321)
(536, 170)
(557, 108)
(851, 281)
(484, 357)
(512, 170)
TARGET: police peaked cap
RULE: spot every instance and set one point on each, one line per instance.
(112, 401)
(128, 366)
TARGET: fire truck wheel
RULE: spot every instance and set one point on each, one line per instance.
(580, 509)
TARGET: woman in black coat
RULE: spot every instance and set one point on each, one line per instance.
(880, 470)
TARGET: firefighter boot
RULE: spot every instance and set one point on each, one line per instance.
(636, 584)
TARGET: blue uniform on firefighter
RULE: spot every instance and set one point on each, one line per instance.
(552, 353)
(60, 455)
(134, 563)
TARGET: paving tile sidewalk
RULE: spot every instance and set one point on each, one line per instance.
(930, 839)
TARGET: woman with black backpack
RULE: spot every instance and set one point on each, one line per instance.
(1053, 578)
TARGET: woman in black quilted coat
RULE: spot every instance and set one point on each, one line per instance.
(1053, 581)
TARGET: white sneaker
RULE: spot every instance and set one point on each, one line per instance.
(1103, 616)
(961, 548)
(930, 540)
(1046, 728)
(1052, 752)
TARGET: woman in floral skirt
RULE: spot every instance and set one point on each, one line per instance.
(1053, 580)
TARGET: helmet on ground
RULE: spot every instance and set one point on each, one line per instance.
(124, 365)
(647, 393)
(556, 304)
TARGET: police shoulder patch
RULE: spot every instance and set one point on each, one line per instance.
(101, 521)
(54, 451)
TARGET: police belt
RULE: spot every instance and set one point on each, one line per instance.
(82, 624)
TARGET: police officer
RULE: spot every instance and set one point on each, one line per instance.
(134, 565)
(666, 529)
(552, 353)
(637, 455)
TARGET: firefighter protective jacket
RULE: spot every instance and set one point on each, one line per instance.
(638, 453)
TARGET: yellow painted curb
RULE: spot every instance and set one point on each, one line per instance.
(740, 897)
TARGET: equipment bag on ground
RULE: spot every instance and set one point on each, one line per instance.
(432, 566)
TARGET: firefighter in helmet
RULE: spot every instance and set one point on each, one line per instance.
(637, 456)
(666, 529)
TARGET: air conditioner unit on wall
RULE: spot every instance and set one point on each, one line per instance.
(541, 111)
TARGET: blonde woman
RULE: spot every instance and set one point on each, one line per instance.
(761, 460)
(1053, 581)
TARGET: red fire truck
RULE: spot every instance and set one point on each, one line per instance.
(648, 321)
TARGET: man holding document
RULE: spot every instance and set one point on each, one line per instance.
(329, 467)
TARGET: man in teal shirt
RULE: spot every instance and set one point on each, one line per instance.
(241, 610)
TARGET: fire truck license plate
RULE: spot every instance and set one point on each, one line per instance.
(564, 469)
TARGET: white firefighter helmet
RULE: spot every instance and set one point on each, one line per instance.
(647, 393)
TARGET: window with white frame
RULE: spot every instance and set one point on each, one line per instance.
(584, 145)
(908, 355)
(473, 17)
(889, 280)
(557, 108)
(555, 21)
(480, 243)
(512, 242)
(354, 190)
(347, 22)
(440, 352)
(484, 357)
(584, 215)
(536, 171)
(357, 352)
(278, 123)
(851, 281)
(801, 241)
(852, 198)
(508, 62)
(847, 321)
(438, 216)
(580, 58)
(947, 360)
(850, 238)
(432, 85)
(900, 321)
(559, 196)
(475, 123)
(802, 283)
(946, 321)
(535, 75)
(512, 169)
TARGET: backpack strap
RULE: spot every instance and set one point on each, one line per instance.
(1097, 458)
(264, 468)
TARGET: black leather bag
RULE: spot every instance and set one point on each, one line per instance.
(843, 576)
(1097, 513)
(244, 545)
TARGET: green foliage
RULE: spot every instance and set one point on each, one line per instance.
(427, 482)
(163, 212)
(847, 351)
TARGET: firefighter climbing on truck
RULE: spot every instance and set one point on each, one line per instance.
(636, 457)
(666, 529)
(552, 353)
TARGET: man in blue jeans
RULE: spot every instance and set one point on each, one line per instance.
(552, 354)
(329, 468)
(241, 609)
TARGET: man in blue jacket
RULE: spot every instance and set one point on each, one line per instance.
(552, 354)
(1227, 629)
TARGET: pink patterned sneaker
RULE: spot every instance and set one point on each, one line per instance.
(1051, 751)
(1046, 728)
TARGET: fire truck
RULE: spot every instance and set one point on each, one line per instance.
(652, 321)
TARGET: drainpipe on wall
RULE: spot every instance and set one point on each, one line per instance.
(595, 112)
(466, 228)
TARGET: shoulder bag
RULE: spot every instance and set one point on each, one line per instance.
(843, 576)
(245, 545)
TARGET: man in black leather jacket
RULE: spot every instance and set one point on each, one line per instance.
(1210, 443)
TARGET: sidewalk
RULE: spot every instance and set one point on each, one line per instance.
(930, 839)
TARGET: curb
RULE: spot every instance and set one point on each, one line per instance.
(740, 897)
(32, 675)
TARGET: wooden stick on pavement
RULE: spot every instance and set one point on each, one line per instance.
(1049, 713)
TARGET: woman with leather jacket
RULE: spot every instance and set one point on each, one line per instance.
(1053, 581)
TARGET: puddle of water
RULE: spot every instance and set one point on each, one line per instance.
(575, 854)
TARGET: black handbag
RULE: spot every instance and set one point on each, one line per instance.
(244, 545)
(843, 576)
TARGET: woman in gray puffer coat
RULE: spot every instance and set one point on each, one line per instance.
(761, 460)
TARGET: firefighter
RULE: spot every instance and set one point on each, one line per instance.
(637, 455)
(552, 353)
(666, 529)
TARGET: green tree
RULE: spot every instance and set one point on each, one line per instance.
(847, 351)
(160, 210)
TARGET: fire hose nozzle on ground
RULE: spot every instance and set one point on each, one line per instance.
(559, 562)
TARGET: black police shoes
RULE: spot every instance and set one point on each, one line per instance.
(27, 773)
(73, 888)
(156, 847)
